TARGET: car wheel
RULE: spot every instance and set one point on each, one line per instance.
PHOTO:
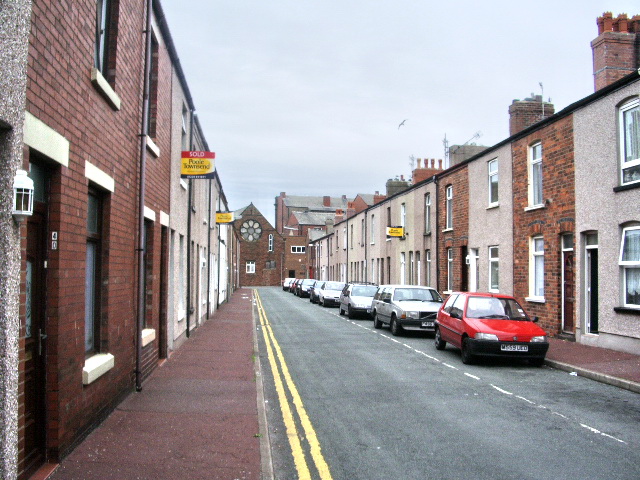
(395, 328)
(324, 302)
(537, 362)
(349, 312)
(467, 358)
(376, 321)
(440, 344)
(340, 311)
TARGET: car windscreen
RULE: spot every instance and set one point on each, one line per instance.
(364, 290)
(334, 286)
(492, 307)
(308, 281)
(416, 295)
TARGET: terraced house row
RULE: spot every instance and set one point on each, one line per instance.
(121, 258)
(550, 215)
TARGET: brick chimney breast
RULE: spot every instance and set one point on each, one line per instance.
(616, 50)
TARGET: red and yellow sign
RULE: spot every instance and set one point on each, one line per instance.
(198, 165)
(224, 217)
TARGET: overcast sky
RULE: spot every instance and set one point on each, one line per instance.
(305, 97)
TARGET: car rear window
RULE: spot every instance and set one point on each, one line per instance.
(416, 294)
(334, 286)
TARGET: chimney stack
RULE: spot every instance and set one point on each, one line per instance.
(326, 201)
(616, 50)
(524, 113)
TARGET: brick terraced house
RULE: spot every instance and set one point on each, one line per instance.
(121, 259)
(549, 215)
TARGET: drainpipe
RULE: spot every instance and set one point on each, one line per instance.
(189, 207)
(143, 162)
(209, 252)
(435, 181)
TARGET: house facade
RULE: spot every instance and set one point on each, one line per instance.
(120, 254)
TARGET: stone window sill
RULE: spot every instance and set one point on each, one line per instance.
(631, 310)
(535, 299)
(102, 86)
(148, 336)
(96, 366)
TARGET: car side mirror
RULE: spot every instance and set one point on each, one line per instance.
(535, 319)
(386, 300)
(455, 314)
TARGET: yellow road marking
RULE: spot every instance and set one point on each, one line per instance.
(296, 447)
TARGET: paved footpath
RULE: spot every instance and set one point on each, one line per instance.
(197, 416)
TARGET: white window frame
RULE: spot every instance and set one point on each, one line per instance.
(449, 207)
(344, 238)
(418, 269)
(373, 229)
(427, 259)
(250, 266)
(492, 173)
(629, 161)
(298, 249)
(627, 266)
(403, 267)
(494, 261)
(536, 193)
(536, 269)
(403, 215)
(427, 213)
(270, 248)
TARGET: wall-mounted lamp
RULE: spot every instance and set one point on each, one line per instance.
(22, 196)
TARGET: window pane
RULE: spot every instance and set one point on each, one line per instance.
(539, 276)
(631, 119)
(493, 188)
(631, 246)
(632, 281)
(89, 297)
(537, 183)
(631, 174)
(495, 283)
(93, 214)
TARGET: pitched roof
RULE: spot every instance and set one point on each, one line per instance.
(313, 218)
(314, 203)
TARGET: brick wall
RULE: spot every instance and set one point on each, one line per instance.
(258, 251)
(556, 217)
(524, 113)
(60, 93)
(456, 238)
(616, 50)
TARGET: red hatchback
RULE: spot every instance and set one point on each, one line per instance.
(492, 325)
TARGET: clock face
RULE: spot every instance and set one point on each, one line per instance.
(251, 230)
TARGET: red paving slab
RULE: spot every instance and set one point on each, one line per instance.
(196, 417)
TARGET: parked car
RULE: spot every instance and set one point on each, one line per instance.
(356, 298)
(303, 287)
(329, 294)
(406, 307)
(491, 325)
(313, 291)
(287, 283)
(294, 286)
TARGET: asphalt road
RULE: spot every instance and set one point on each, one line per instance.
(384, 407)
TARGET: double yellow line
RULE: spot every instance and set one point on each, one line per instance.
(281, 378)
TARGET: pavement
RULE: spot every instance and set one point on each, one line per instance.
(200, 415)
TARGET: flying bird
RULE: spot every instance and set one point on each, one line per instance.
(402, 123)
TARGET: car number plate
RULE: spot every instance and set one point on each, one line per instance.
(427, 324)
(514, 348)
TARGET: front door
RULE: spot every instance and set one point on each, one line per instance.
(591, 303)
(568, 286)
(35, 343)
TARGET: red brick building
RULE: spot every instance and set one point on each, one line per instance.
(261, 249)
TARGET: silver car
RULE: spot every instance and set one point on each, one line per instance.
(406, 307)
(329, 293)
(356, 298)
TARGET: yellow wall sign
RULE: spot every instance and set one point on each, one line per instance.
(395, 232)
(224, 217)
(197, 165)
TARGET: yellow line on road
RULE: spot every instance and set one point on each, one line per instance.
(296, 447)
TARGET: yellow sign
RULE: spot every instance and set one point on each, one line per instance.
(395, 232)
(224, 217)
(197, 165)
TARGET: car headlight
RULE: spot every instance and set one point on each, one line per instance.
(486, 336)
(540, 339)
(414, 315)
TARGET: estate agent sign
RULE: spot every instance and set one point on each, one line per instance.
(198, 165)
